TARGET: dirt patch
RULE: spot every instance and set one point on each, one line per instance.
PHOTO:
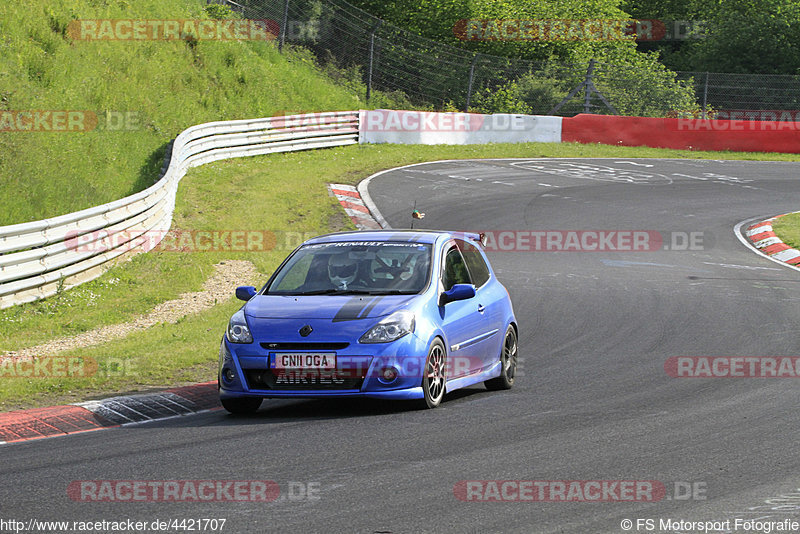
(216, 288)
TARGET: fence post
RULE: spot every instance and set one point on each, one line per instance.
(587, 101)
(372, 57)
(471, 78)
(284, 23)
(705, 97)
(588, 86)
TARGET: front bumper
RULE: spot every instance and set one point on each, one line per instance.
(244, 371)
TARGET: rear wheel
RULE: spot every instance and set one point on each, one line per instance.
(242, 405)
(433, 380)
(508, 361)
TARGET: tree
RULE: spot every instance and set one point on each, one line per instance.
(445, 21)
(753, 36)
(740, 36)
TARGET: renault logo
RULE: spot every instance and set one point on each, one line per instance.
(306, 330)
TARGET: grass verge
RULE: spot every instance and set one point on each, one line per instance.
(280, 193)
(142, 92)
(788, 229)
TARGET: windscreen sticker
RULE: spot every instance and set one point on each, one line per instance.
(383, 244)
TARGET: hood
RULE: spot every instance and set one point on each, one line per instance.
(336, 308)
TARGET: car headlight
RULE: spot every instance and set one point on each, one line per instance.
(390, 328)
(238, 331)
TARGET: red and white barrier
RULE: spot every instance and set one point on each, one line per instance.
(432, 128)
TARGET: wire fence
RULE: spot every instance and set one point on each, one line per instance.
(390, 60)
(747, 96)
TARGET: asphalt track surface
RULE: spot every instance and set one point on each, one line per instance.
(592, 399)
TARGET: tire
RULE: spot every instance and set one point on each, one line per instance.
(508, 360)
(242, 405)
(434, 377)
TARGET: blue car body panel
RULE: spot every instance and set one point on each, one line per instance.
(471, 330)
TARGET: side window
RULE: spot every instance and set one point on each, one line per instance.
(455, 270)
(477, 267)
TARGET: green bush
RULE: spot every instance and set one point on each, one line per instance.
(641, 88)
(220, 12)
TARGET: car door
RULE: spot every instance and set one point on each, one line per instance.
(463, 321)
(490, 298)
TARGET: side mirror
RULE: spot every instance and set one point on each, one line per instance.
(245, 293)
(457, 292)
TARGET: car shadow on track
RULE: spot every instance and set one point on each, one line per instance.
(276, 411)
(279, 410)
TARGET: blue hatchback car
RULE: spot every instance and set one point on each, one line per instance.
(381, 314)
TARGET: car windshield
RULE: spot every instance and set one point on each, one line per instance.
(355, 267)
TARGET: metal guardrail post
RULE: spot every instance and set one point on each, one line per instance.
(587, 100)
(284, 23)
(469, 85)
(371, 57)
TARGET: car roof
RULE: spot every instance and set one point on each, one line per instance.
(417, 236)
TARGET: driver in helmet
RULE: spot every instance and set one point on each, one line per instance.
(342, 270)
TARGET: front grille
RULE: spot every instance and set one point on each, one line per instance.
(305, 346)
(266, 379)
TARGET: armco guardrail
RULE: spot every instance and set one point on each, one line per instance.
(39, 258)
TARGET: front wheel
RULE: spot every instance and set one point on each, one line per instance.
(241, 405)
(508, 361)
(433, 380)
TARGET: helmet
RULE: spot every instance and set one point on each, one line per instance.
(342, 270)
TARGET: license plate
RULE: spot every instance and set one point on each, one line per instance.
(320, 361)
